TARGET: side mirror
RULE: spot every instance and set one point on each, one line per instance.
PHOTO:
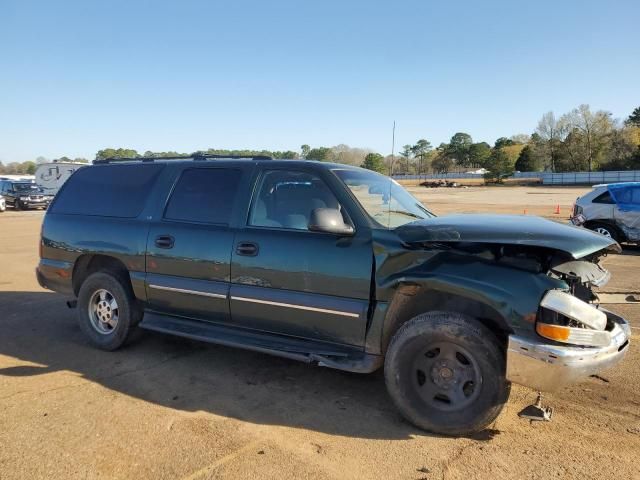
(329, 220)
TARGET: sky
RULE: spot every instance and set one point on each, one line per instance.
(79, 76)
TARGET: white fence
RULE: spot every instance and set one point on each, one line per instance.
(548, 178)
(583, 178)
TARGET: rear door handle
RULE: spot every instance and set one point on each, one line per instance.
(248, 249)
(164, 241)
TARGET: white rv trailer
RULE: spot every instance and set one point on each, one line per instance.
(51, 176)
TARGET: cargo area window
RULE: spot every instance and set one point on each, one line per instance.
(604, 198)
(204, 195)
(107, 191)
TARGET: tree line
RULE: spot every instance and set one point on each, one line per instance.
(579, 140)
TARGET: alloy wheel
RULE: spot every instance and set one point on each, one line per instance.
(103, 312)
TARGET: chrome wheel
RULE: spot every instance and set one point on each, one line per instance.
(447, 376)
(603, 231)
(103, 312)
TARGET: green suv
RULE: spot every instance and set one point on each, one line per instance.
(336, 266)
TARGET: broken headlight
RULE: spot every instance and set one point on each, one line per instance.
(567, 319)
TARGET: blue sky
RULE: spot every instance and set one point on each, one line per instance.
(78, 76)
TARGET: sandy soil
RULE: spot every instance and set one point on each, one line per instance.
(170, 408)
(541, 201)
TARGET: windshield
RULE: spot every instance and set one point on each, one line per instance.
(384, 199)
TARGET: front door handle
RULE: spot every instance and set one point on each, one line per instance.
(164, 241)
(248, 249)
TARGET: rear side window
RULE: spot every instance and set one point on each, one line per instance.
(107, 191)
(604, 198)
(204, 195)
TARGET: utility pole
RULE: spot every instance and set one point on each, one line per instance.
(393, 147)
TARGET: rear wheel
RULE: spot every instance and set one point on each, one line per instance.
(445, 373)
(606, 230)
(107, 310)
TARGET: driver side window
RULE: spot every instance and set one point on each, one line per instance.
(285, 199)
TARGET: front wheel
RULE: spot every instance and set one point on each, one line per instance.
(446, 373)
(107, 310)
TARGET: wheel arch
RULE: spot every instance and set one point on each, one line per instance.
(592, 224)
(412, 300)
(88, 264)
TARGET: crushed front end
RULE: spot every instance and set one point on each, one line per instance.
(576, 337)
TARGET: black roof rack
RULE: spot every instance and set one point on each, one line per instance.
(194, 157)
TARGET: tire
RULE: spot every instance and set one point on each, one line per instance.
(606, 230)
(107, 310)
(445, 372)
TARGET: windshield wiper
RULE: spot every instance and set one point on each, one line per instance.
(408, 214)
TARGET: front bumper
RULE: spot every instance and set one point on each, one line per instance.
(26, 205)
(548, 367)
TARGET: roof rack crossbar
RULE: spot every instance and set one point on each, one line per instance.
(194, 157)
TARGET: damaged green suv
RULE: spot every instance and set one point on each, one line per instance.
(336, 266)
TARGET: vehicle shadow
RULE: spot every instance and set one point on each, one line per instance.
(630, 249)
(38, 330)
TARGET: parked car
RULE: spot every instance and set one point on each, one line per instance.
(336, 266)
(3, 204)
(23, 195)
(613, 210)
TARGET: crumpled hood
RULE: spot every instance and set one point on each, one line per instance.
(507, 229)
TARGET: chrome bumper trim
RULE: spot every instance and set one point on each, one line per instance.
(546, 367)
(299, 307)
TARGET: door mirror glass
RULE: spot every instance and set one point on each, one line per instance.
(329, 220)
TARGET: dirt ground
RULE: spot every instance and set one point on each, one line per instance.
(170, 408)
(540, 201)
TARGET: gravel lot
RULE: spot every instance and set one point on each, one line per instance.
(170, 408)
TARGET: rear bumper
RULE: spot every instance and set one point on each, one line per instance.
(55, 275)
(548, 367)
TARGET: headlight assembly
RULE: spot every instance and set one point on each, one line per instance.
(570, 320)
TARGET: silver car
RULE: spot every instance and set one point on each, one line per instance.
(3, 204)
(612, 210)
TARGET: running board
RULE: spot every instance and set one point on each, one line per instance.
(324, 354)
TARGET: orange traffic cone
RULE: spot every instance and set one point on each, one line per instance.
(557, 212)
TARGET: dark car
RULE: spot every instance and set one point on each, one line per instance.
(23, 195)
(337, 266)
